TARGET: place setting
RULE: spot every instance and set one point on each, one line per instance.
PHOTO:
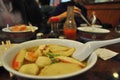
(74, 52)
(63, 46)
(19, 59)
(92, 30)
(80, 53)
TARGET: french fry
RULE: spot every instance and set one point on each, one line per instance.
(68, 52)
(55, 48)
(31, 27)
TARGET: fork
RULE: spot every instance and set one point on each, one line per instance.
(81, 15)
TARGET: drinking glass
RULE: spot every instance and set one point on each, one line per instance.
(54, 33)
(117, 28)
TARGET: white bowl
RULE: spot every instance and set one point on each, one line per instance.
(10, 54)
(19, 36)
(93, 33)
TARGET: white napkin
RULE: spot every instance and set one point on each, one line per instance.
(105, 54)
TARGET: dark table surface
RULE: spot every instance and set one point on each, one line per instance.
(102, 70)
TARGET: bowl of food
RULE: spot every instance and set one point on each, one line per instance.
(20, 33)
(46, 59)
(92, 33)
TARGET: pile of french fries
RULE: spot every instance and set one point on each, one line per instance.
(6, 45)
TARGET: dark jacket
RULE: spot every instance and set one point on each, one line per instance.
(46, 11)
(63, 7)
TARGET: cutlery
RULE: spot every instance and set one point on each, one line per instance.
(91, 46)
(8, 28)
(81, 15)
(94, 18)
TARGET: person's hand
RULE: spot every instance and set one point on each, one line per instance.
(61, 16)
(77, 10)
(48, 22)
(64, 14)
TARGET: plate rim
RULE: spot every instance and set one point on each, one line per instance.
(81, 29)
(8, 31)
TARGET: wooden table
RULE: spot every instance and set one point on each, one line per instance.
(102, 70)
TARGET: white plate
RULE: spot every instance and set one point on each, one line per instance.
(7, 30)
(10, 54)
(95, 25)
(93, 30)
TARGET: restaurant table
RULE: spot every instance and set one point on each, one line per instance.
(102, 70)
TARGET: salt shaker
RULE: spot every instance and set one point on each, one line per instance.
(54, 33)
(117, 28)
(39, 35)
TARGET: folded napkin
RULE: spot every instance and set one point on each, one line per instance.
(105, 54)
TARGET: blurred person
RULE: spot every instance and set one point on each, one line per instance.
(61, 12)
(14, 12)
(46, 10)
(45, 7)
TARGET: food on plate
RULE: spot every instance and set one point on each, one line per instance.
(22, 27)
(55, 47)
(59, 69)
(47, 60)
(61, 50)
(33, 55)
(43, 61)
(18, 28)
(31, 69)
